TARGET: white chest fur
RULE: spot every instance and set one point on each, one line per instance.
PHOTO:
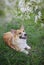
(21, 43)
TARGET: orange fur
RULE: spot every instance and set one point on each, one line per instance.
(8, 40)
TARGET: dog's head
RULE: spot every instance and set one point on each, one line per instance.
(20, 33)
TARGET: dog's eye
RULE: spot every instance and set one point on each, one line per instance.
(19, 32)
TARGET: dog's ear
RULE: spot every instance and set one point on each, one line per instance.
(22, 27)
(13, 31)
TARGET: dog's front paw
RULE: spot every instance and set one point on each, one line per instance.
(27, 52)
(28, 47)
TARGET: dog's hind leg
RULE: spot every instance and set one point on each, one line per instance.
(10, 44)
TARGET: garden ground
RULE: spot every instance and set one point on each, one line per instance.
(35, 38)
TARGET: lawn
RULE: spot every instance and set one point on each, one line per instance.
(35, 38)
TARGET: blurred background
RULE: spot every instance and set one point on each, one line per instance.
(30, 13)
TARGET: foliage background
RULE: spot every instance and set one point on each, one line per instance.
(13, 16)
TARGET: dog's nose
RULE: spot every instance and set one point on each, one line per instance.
(25, 34)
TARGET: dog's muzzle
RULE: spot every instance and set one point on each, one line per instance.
(22, 37)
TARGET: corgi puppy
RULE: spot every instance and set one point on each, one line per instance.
(17, 39)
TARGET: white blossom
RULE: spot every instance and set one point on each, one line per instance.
(36, 18)
(29, 3)
(37, 1)
(39, 14)
(30, 9)
(42, 24)
(36, 7)
(21, 3)
(24, 8)
(10, 4)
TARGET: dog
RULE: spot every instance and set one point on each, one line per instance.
(17, 39)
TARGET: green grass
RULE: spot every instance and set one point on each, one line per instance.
(35, 38)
